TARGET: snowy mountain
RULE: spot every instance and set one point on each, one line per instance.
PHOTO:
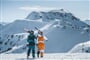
(4, 23)
(51, 15)
(33, 16)
(87, 21)
(62, 29)
(19, 25)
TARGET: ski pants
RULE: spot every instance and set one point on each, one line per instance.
(31, 48)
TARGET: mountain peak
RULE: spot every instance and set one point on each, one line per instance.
(60, 14)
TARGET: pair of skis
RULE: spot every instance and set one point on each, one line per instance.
(27, 30)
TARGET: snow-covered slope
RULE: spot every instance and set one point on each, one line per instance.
(87, 22)
(21, 45)
(8, 37)
(19, 25)
(81, 47)
(1, 26)
(63, 31)
(60, 39)
(4, 23)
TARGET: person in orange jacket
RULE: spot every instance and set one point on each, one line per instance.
(40, 45)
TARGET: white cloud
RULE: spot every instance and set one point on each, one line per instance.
(36, 8)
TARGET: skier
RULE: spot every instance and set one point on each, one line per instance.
(40, 44)
(31, 43)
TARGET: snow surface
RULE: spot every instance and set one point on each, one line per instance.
(1, 26)
(81, 47)
(55, 56)
(87, 22)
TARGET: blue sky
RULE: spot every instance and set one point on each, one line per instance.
(11, 10)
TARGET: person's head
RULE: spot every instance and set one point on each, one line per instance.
(31, 32)
(28, 31)
(41, 33)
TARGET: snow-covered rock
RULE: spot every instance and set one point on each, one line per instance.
(33, 16)
(51, 15)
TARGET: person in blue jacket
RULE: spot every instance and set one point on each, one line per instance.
(31, 43)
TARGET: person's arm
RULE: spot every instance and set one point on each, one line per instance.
(28, 40)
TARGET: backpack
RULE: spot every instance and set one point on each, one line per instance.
(31, 39)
